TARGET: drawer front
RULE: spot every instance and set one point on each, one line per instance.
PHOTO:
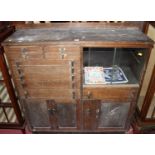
(110, 93)
(61, 52)
(24, 52)
(59, 95)
(43, 52)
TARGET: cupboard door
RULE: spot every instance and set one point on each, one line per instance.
(113, 115)
(100, 115)
(91, 109)
(36, 114)
(67, 115)
(62, 116)
(51, 116)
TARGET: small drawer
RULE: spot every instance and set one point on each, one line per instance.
(110, 93)
(62, 52)
(25, 52)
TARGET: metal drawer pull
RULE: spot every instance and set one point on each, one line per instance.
(62, 53)
(20, 72)
(24, 53)
(73, 95)
(71, 63)
(17, 65)
(21, 77)
(73, 85)
(72, 78)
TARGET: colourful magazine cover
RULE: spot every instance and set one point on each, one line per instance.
(107, 75)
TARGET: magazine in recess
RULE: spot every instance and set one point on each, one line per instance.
(101, 75)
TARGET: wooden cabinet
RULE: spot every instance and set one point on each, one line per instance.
(48, 67)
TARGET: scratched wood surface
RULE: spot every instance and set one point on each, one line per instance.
(78, 35)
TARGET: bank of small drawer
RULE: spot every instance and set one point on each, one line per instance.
(46, 73)
(43, 52)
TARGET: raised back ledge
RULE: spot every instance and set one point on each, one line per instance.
(135, 25)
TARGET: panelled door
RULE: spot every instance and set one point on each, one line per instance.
(101, 115)
(51, 116)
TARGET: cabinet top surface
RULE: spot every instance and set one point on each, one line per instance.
(78, 35)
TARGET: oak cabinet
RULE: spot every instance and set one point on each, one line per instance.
(53, 69)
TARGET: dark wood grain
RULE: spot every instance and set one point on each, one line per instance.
(110, 93)
(91, 110)
(78, 35)
(50, 63)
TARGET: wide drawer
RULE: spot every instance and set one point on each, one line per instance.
(110, 93)
(59, 95)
